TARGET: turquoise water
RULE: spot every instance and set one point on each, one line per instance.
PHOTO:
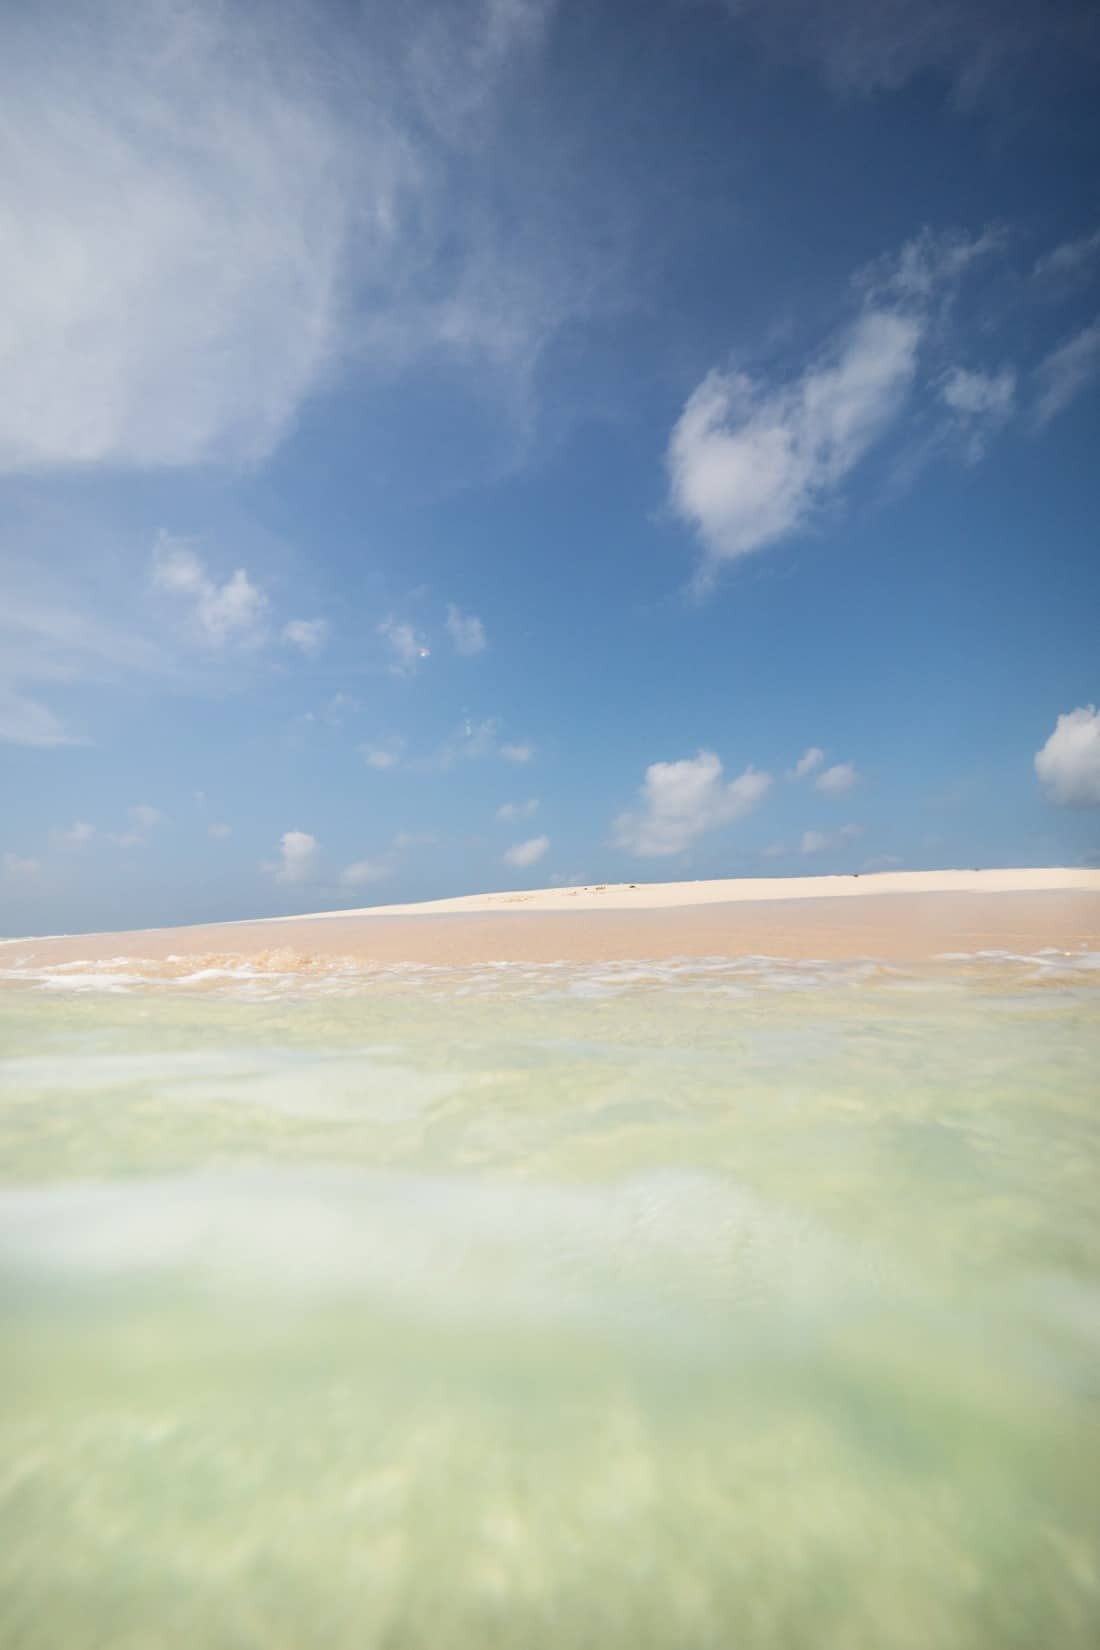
(697, 1304)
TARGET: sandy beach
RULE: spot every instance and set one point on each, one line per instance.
(896, 916)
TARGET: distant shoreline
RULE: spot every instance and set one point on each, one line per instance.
(660, 896)
(906, 917)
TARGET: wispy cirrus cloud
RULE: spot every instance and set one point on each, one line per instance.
(820, 842)
(466, 632)
(1067, 372)
(526, 853)
(215, 209)
(1069, 259)
(975, 46)
(981, 404)
(307, 635)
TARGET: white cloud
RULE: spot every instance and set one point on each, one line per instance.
(518, 810)
(298, 858)
(973, 45)
(774, 850)
(526, 853)
(25, 721)
(219, 832)
(981, 402)
(182, 197)
(309, 635)
(383, 756)
(840, 777)
(233, 611)
(1069, 259)
(364, 871)
(466, 632)
(1068, 765)
(681, 800)
(406, 647)
(818, 842)
(60, 625)
(810, 760)
(929, 266)
(1067, 372)
(20, 869)
(142, 819)
(76, 834)
(517, 753)
(213, 207)
(749, 465)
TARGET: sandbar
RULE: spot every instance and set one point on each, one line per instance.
(904, 917)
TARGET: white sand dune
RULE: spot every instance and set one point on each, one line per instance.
(658, 896)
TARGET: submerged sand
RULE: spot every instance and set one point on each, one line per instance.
(900, 917)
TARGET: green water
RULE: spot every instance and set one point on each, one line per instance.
(691, 1306)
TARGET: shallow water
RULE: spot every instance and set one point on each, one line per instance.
(685, 1304)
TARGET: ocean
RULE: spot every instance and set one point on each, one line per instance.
(703, 1303)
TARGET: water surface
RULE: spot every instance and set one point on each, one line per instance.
(701, 1303)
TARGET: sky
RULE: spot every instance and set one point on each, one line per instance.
(499, 443)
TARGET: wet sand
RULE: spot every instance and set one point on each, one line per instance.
(843, 917)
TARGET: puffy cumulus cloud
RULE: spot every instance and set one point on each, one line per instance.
(840, 777)
(466, 632)
(307, 635)
(819, 842)
(807, 763)
(405, 647)
(1067, 372)
(749, 464)
(517, 753)
(1068, 765)
(527, 853)
(681, 800)
(518, 810)
(299, 856)
(221, 613)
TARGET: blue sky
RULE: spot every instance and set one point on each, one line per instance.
(515, 442)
